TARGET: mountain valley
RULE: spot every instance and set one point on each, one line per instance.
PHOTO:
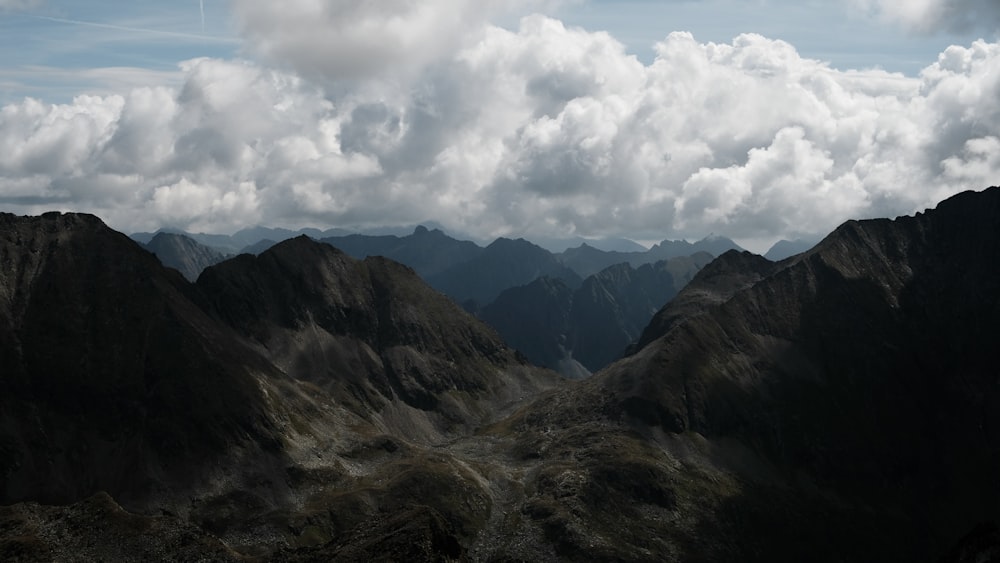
(303, 404)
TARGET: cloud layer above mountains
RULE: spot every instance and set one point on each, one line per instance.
(434, 114)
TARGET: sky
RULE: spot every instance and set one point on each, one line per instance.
(650, 120)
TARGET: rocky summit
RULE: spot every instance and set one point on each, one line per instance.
(302, 405)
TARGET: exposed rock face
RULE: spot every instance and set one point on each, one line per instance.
(183, 254)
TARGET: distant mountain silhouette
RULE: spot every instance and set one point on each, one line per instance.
(580, 331)
(258, 247)
(503, 264)
(786, 248)
(436, 256)
(234, 244)
(428, 252)
(183, 254)
(558, 245)
(587, 260)
(253, 235)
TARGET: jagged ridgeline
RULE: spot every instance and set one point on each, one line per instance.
(613, 294)
(295, 375)
(302, 405)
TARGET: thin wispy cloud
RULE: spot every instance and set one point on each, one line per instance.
(140, 30)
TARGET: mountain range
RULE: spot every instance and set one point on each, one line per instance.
(613, 305)
(580, 330)
(432, 253)
(302, 405)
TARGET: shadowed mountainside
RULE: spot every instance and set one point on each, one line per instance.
(367, 330)
(579, 332)
(283, 387)
(184, 254)
(840, 405)
(503, 264)
(112, 379)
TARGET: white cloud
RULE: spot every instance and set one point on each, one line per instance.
(352, 39)
(543, 130)
(939, 15)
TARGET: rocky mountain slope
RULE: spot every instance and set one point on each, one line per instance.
(367, 332)
(296, 382)
(112, 379)
(840, 405)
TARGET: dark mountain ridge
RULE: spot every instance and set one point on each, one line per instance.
(839, 405)
(363, 329)
(102, 351)
(277, 382)
(849, 392)
(481, 272)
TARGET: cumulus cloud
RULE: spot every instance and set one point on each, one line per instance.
(357, 38)
(542, 130)
(939, 15)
